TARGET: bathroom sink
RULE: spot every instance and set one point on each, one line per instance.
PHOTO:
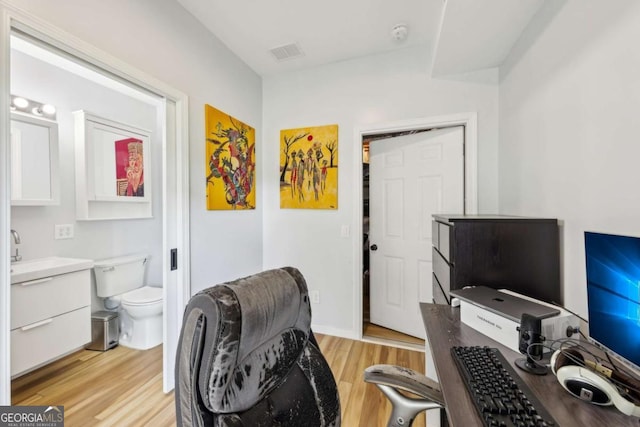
(34, 269)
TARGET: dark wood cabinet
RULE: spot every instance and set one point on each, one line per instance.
(503, 252)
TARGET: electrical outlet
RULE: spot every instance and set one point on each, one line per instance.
(315, 297)
(63, 231)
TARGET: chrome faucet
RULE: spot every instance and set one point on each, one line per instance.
(16, 240)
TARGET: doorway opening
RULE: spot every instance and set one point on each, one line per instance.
(170, 126)
(371, 330)
(362, 276)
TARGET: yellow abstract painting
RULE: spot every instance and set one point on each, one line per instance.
(309, 168)
(231, 163)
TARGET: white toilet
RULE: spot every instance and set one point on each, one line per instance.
(120, 281)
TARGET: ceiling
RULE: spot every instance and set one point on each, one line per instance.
(457, 36)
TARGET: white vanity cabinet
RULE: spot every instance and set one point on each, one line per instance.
(50, 317)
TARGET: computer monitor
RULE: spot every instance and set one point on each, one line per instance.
(613, 291)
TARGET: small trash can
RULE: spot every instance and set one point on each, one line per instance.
(105, 330)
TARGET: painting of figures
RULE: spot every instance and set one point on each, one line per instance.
(129, 167)
(309, 168)
(231, 163)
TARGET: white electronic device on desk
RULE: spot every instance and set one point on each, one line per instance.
(497, 314)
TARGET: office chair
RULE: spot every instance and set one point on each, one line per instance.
(390, 378)
(247, 357)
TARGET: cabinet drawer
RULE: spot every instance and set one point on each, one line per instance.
(441, 239)
(40, 299)
(33, 345)
(442, 271)
(435, 233)
(438, 294)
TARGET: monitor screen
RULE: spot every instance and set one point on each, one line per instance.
(613, 291)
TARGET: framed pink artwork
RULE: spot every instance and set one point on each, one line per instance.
(129, 167)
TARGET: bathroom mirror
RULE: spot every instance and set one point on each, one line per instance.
(34, 161)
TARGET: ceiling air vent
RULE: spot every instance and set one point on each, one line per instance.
(288, 51)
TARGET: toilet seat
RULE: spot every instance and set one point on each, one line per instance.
(142, 296)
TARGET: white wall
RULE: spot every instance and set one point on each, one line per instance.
(160, 38)
(43, 82)
(355, 94)
(569, 102)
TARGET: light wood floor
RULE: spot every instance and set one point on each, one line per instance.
(363, 405)
(123, 387)
(389, 336)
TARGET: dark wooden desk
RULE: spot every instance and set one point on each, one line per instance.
(444, 330)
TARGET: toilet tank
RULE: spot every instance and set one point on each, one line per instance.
(115, 276)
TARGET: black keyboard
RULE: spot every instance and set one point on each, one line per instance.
(498, 393)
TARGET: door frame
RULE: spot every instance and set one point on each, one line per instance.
(470, 153)
(14, 18)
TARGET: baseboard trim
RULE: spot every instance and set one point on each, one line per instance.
(393, 343)
(336, 332)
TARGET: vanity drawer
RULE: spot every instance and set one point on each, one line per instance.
(37, 343)
(40, 299)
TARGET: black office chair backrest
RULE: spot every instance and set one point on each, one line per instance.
(247, 357)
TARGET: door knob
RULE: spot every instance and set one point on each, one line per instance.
(373, 247)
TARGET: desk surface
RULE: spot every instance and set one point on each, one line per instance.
(444, 330)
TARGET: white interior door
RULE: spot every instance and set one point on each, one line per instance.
(170, 278)
(411, 178)
(176, 287)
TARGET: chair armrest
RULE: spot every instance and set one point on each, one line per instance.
(404, 379)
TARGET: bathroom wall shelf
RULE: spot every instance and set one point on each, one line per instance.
(113, 169)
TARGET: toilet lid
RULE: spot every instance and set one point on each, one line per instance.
(143, 295)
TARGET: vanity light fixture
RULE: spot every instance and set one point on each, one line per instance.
(31, 107)
(48, 109)
(19, 102)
